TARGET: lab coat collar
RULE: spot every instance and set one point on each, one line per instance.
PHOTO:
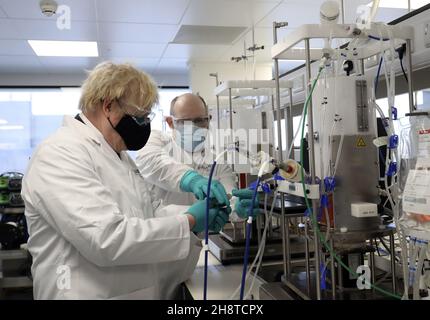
(87, 128)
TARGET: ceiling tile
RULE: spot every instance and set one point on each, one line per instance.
(185, 51)
(15, 47)
(25, 9)
(126, 49)
(2, 13)
(227, 13)
(196, 34)
(148, 65)
(68, 64)
(134, 32)
(295, 13)
(173, 66)
(19, 64)
(142, 11)
(46, 30)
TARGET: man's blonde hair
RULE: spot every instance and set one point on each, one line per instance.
(109, 81)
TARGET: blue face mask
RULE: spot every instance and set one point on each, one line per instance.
(190, 137)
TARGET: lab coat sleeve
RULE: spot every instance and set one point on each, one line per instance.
(157, 166)
(71, 198)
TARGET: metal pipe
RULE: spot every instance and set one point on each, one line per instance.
(231, 123)
(333, 271)
(372, 269)
(312, 166)
(409, 71)
(342, 11)
(289, 123)
(285, 233)
(307, 262)
(393, 263)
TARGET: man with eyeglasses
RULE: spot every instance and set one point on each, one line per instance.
(96, 231)
(178, 165)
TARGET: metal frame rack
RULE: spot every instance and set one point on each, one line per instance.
(253, 88)
(286, 51)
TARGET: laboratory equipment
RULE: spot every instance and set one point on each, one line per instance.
(341, 186)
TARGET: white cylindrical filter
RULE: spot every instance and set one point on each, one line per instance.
(290, 170)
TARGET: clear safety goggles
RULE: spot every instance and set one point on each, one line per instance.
(201, 122)
(140, 120)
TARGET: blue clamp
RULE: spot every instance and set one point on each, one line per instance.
(278, 177)
(393, 142)
(329, 184)
(323, 271)
(307, 213)
(392, 169)
(394, 113)
(266, 188)
(324, 201)
(253, 185)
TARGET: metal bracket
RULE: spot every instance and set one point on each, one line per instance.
(296, 189)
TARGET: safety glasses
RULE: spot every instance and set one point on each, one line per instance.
(144, 120)
(140, 120)
(202, 122)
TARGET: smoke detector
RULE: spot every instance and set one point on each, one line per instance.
(48, 7)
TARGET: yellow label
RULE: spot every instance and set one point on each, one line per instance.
(361, 143)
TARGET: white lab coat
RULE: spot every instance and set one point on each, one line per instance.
(162, 163)
(95, 231)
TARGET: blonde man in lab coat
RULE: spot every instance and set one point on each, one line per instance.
(176, 164)
(95, 230)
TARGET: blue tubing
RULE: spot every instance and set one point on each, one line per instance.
(208, 202)
(248, 240)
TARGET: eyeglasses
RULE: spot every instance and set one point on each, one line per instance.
(202, 122)
(144, 120)
(141, 120)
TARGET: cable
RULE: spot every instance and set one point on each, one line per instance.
(260, 250)
(377, 38)
(403, 70)
(378, 74)
(208, 202)
(263, 246)
(248, 238)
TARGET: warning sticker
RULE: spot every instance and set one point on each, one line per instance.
(361, 143)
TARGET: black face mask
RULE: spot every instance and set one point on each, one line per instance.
(134, 135)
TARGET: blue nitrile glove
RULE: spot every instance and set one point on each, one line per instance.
(244, 202)
(194, 182)
(218, 217)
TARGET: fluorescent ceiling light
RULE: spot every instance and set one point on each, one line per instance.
(11, 127)
(3, 121)
(403, 4)
(64, 48)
